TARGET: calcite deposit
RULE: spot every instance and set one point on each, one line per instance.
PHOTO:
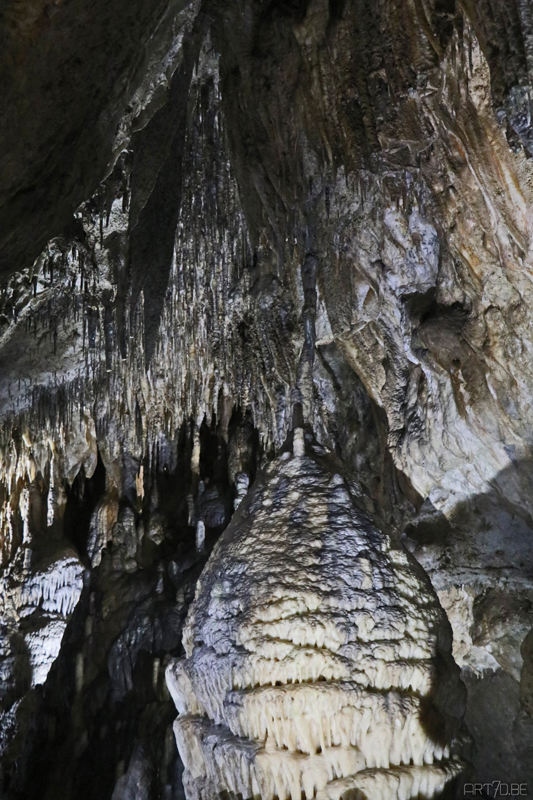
(317, 657)
(220, 221)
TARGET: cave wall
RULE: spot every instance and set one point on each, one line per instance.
(169, 172)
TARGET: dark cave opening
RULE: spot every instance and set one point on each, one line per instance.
(82, 498)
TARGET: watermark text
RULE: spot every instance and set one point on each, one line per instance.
(495, 789)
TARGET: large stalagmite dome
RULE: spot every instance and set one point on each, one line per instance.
(317, 656)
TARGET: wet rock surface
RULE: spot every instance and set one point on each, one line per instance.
(192, 195)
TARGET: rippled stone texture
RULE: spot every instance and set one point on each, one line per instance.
(219, 150)
(317, 654)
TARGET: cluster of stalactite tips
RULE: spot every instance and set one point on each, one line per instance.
(266, 359)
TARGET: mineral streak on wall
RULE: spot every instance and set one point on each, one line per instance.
(317, 656)
(187, 189)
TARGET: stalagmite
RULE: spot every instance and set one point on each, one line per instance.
(219, 223)
(316, 653)
(200, 536)
(242, 482)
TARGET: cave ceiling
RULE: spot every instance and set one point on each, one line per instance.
(221, 222)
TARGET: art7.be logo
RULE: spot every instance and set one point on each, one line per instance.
(495, 789)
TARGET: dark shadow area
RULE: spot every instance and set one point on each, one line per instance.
(485, 548)
(156, 197)
(82, 499)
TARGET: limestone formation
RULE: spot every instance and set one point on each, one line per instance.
(317, 656)
(212, 214)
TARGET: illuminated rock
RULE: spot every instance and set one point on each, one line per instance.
(317, 655)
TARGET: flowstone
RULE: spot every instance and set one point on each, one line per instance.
(318, 659)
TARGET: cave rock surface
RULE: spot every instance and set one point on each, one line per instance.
(316, 653)
(204, 207)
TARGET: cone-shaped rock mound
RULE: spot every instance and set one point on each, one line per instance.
(317, 655)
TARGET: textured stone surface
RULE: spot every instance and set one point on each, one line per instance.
(69, 71)
(317, 658)
(184, 190)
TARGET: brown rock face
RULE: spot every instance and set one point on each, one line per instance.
(218, 220)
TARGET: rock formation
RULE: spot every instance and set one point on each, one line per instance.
(210, 214)
(317, 656)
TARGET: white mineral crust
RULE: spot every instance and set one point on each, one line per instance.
(44, 600)
(311, 653)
